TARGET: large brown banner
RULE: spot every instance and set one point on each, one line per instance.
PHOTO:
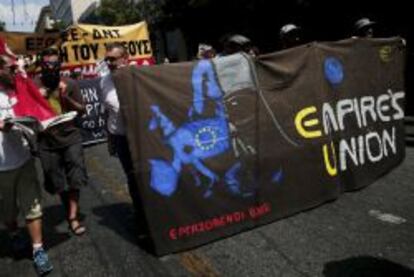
(221, 146)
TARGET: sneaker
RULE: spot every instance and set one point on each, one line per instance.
(41, 262)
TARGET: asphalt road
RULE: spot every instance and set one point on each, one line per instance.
(364, 233)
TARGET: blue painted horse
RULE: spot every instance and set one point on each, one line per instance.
(194, 140)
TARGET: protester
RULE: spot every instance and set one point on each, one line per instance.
(20, 190)
(364, 27)
(238, 43)
(76, 74)
(205, 51)
(290, 36)
(117, 57)
(5, 51)
(60, 146)
(254, 51)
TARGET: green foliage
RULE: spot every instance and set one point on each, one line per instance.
(58, 25)
(121, 12)
(118, 12)
(152, 11)
(2, 26)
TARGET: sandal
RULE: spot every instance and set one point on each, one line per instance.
(79, 229)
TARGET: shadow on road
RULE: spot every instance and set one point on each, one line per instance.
(409, 138)
(365, 266)
(409, 143)
(119, 218)
(52, 217)
(5, 249)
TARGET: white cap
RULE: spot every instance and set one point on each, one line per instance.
(204, 47)
(288, 28)
(363, 23)
(239, 39)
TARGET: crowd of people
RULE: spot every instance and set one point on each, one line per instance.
(290, 35)
(59, 148)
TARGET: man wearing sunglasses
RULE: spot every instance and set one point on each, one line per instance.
(60, 146)
(117, 57)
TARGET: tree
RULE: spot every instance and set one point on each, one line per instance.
(58, 25)
(118, 12)
(152, 11)
(155, 12)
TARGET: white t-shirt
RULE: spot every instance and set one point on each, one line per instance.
(14, 149)
(111, 103)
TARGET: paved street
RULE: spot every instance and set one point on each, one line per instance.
(362, 233)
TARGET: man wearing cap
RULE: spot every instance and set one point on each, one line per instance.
(237, 43)
(290, 36)
(364, 27)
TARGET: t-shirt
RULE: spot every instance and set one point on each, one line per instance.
(67, 133)
(14, 149)
(110, 100)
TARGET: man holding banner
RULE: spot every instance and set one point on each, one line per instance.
(60, 146)
(117, 57)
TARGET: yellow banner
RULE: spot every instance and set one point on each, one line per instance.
(85, 44)
(28, 43)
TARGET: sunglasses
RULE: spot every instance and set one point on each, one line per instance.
(52, 64)
(111, 59)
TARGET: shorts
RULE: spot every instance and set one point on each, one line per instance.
(20, 192)
(64, 168)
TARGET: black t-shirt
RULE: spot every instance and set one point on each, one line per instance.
(64, 134)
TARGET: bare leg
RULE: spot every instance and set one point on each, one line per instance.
(34, 228)
(72, 206)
